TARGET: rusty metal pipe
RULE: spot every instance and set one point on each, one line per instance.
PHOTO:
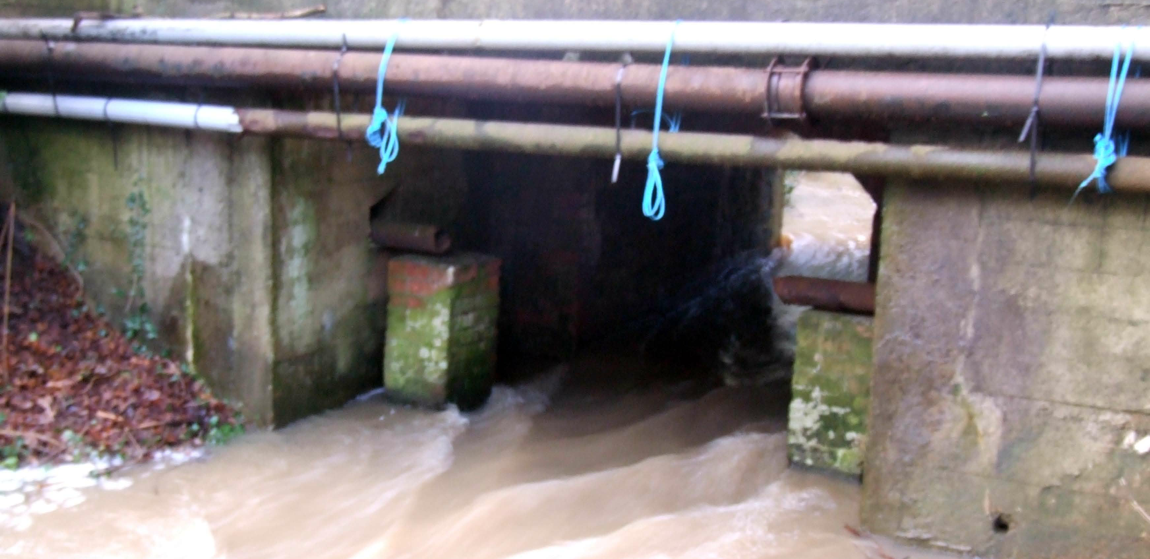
(502, 79)
(826, 295)
(927, 162)
(410, 236)
(969, 98)
(820, 94)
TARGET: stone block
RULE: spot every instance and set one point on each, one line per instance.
(830, 397)
(441, 329)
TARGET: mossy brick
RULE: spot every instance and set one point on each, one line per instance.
(830, 399)
(441, 329)
(422, 275)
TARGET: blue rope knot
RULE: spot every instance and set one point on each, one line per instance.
(654, 205)
(1106, 153)
(382, 132)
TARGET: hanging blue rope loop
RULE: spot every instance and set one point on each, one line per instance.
(654, 204)
(1105, 150)
(382, 132)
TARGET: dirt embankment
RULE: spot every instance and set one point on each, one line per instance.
(76, 385)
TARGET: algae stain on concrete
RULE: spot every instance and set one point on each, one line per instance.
(296, 249)
(827, 423)
(190, 316)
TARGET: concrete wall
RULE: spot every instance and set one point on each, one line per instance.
(257, 246)
(1009, 414)
(906, 11)
(258, 268)
(1010, 409)
(207, 228)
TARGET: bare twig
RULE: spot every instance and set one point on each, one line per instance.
(859, 534)
(30, 436)
(10, 227)
(135, 443)
(171, 422)
(1125, 492)
(131, 294)
(54, 247)
(1137, 507)
(109, 416)
(290, 14)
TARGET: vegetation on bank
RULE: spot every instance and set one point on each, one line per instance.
(72, 386)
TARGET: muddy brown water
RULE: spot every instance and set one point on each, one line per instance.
(544, 470)
(585, 461)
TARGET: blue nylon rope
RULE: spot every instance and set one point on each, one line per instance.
(654, 204)
(1105, 150)
(672, 121)
(381, 133)
(677, 118)
(1124, 137)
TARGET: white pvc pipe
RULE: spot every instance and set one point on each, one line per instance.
(154, 113)
(773, 38)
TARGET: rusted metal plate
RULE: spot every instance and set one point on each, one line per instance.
(413, 237)
(826, 295)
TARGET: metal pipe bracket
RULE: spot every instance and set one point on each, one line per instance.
(783, 98)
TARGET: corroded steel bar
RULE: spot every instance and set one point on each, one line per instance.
(821, 94)
(411, 236)
(826, 295)
(912, 161)
(971, 98)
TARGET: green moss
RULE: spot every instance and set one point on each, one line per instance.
(441, 347)
(25, 162)
(830, 391)
(195, 345)
(299, 244)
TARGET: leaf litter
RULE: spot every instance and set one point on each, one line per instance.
(78, 388)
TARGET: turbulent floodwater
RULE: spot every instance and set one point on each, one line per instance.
(653, 472)
(828, 220)
(588, 460)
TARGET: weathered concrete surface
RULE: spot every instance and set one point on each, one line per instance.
(964, 11)
(263, 283)
(329, 300)
(1011, 395)
(330, 282)
(257, 266)
(830, 391)
(207, 227)
(442, 322)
